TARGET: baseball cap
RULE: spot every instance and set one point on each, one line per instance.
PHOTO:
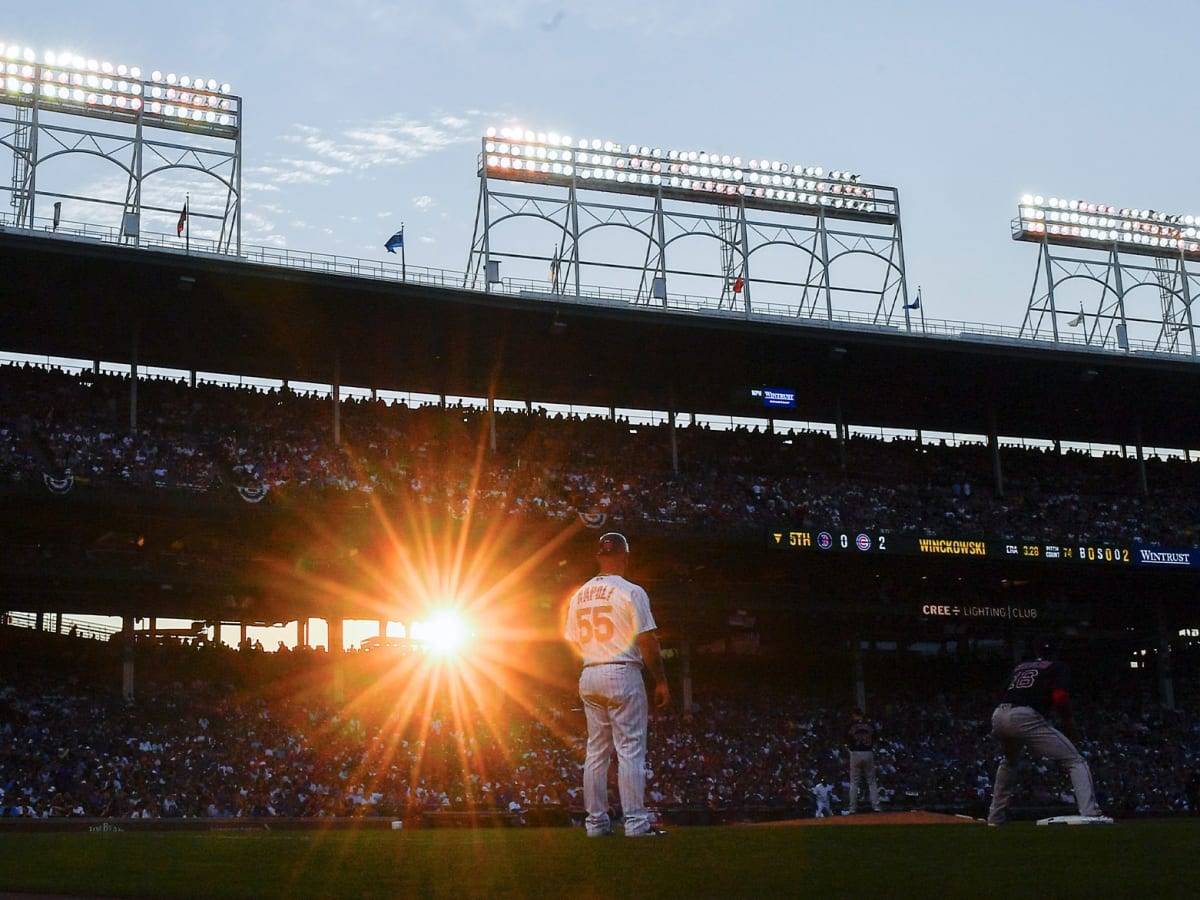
(612, 543)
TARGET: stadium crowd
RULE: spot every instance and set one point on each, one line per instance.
(222, 733)
(67, 430)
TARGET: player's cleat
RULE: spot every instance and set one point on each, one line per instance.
(651, 832)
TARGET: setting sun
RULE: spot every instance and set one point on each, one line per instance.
(445, 633)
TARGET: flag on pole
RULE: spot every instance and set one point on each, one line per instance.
(396, 240)
(1078, 320)
(182, 220)
(739, 284)
(916, 304)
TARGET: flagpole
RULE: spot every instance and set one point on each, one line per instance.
(403, 266)
(187, 224)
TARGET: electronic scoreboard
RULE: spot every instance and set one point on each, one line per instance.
(818, 540)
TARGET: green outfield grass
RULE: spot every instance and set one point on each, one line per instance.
(1134, 859)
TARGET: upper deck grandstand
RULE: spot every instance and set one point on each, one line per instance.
(852, 456)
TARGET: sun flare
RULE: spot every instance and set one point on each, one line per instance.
(477, 605)
(445, 634)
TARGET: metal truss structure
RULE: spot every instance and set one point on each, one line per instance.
(1125, 293)
(820, 225)
(145, 127)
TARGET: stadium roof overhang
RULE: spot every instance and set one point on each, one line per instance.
(219, 314)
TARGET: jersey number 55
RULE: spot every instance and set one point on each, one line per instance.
(595, 623)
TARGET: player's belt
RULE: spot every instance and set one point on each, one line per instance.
(615, 662)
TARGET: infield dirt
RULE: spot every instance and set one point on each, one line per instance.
(909, 817)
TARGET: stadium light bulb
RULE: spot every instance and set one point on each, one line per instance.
(1104, 224)
(530, 156)
(97, 87)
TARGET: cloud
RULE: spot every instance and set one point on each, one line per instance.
(350, 159)
(263, 227)
(304, 171)
(318, 155)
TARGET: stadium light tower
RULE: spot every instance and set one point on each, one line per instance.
(823, 220)
(1117, 251)
(62, 103)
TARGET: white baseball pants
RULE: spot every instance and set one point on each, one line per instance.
(614, 701)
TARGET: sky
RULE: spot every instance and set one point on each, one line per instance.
(360, 116)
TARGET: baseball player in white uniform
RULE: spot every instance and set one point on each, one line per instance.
(609, 622)
(821, 793)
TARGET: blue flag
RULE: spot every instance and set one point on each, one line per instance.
(396, 240)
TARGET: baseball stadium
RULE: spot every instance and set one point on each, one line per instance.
(288, 538)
